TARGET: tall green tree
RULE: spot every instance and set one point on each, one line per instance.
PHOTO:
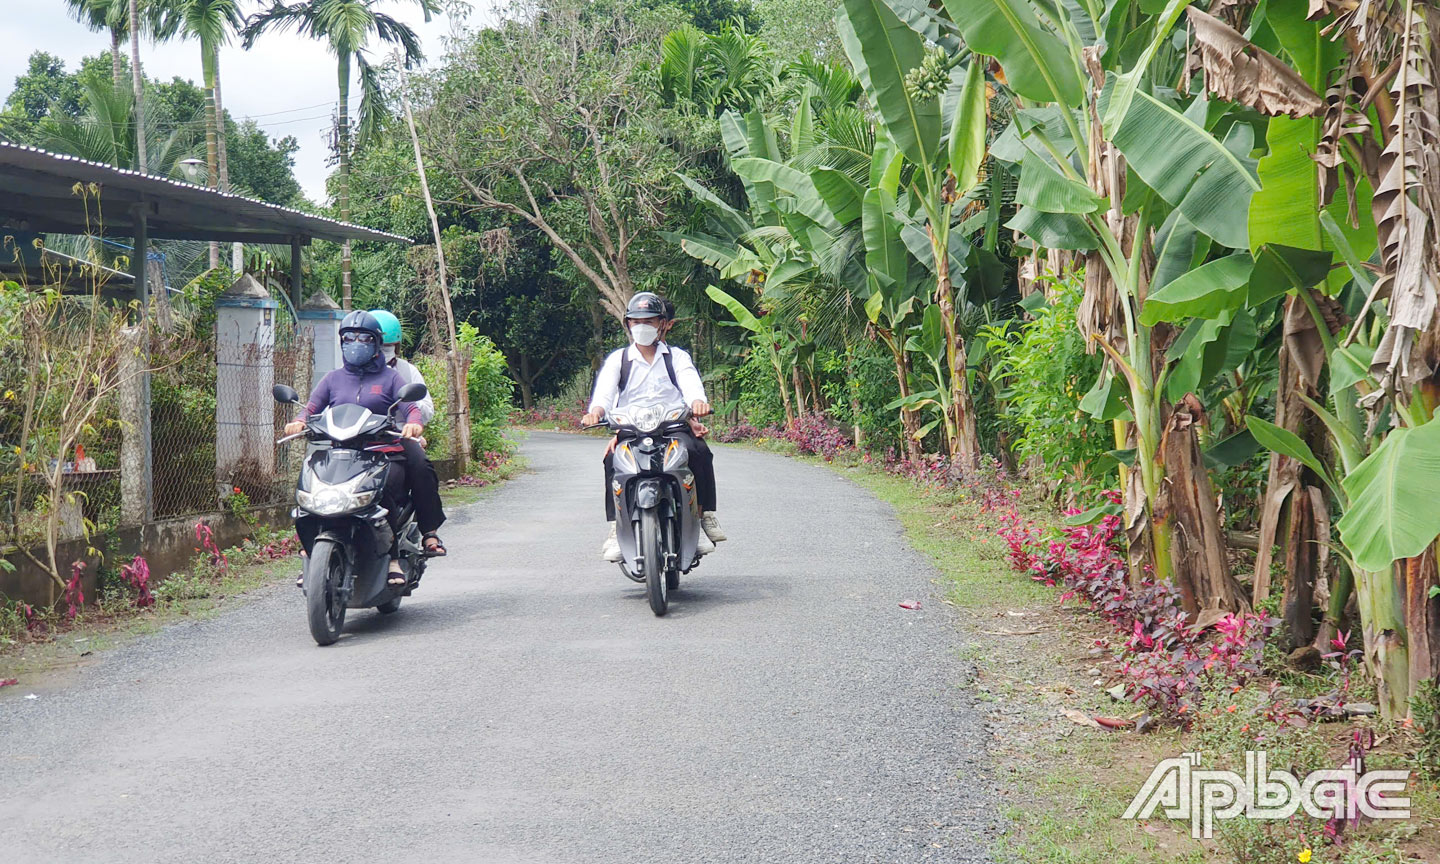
(111, 16)
(211, 23)
(346, 27)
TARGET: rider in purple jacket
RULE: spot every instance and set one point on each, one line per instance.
(365, 380)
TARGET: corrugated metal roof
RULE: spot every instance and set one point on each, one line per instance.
(37, 192)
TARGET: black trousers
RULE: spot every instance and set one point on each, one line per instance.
(702, 462)
(414, 477)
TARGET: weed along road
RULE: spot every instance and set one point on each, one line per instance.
(525, 705)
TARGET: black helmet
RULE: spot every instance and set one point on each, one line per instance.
(361, 320)
(669, 308)
(645, 305)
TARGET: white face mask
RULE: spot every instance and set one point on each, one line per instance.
(388, 351)
(644, 334)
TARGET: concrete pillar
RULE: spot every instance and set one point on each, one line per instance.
(245, 372)
(320, 326)
(136, 491)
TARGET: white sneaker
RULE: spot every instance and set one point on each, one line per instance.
(712, 527)
(610, 551)
(703, 544)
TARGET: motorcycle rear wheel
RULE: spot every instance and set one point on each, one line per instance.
(324, 609)
(656, 589)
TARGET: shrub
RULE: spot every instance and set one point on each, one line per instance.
(1041, 373)
(490, 391)
(813, 435)
(741, 431)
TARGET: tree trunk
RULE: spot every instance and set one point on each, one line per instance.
(964, 443)
(343, 144)
(117, 71)
(138, 82)
(237, 250)
(909, 423)
(1186, 507)
(212, 134)
(1422, 617)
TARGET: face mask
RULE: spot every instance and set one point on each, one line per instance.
(388, 351)
(356, 353)
(644, 334)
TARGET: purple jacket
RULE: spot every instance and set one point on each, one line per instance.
(374, 389)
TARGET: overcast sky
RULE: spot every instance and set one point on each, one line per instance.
(286, 82)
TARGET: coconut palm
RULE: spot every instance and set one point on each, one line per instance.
(210, 22)
(111, 16)
(106, 132)
(345, 26)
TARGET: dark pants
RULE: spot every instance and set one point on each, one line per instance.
(416, 475)
(702, 462)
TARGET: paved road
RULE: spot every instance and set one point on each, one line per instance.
(525, 706)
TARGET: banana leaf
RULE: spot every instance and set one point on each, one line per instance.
(882, 48)
(1037, 64)
(1393, 511)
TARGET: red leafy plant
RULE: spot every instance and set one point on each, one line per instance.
(742, 431)
(205, 536)
(1165, 662)
(136, 574)
(812, 435)
(74, 591)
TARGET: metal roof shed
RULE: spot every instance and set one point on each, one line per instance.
(37, 193)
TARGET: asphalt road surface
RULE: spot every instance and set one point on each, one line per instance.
(526, 706)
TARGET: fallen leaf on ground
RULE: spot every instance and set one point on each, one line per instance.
(9, 682)
(909, 604)
(1112, 722)
(1081, 718)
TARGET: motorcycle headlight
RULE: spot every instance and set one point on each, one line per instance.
(647, 419)
(328, 500)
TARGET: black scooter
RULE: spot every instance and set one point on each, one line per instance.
(656, 510)
(339, 517)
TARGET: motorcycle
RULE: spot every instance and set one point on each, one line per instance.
(656, 509)
(339, 517)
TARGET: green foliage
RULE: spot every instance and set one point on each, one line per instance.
(1041, 372)
(490, 392)
(758, 392)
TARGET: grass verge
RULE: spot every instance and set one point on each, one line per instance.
(1067, 784)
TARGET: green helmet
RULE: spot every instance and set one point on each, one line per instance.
(389, 326)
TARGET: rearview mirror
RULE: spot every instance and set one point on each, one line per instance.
(412, 393)
(284, 394)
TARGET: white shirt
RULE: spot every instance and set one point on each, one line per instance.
(410, 375)
(649, 383)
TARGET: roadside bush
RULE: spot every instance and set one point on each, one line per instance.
(1041, 372)
(490, 393)
(813, 435)
(757, 392)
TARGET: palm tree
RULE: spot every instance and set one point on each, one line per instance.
(138, 81)
(106, 132)
(346, 27)
(111, 16)
(210, 22)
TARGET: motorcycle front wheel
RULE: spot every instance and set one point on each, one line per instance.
(324, 575)
(655, 587)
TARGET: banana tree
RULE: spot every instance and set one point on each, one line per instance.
(1106, 157)
(906, 84)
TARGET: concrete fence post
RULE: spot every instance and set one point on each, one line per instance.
(135, 461)
(320, 327)
(245, 372)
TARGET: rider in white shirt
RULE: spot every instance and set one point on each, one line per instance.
(650, 372)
